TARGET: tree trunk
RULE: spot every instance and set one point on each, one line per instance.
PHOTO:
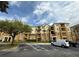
(12, 40)
(13, 37)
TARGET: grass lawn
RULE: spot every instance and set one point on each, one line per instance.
(7, 46)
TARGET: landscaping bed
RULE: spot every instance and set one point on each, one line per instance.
(7, 46)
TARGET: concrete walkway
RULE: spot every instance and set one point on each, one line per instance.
(39, 43)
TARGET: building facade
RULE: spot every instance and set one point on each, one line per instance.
(38, 34)
(60, 31)
(31, 36)
(5, 37)
(46, 33)
(75, 32)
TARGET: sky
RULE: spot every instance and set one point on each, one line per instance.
(43, 12)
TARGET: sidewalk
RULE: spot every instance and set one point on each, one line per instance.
(38, 43)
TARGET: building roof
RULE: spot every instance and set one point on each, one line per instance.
(61, 23)
(77, 25)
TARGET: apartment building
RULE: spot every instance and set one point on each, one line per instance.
(43, 32)
(20, 37)
(60, 31)
(75, 32)
(31, 36)
(5, 37)
(38, 34)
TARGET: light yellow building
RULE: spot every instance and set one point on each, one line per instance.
(38, 34)
(44, 33)
(75, 32)
(20, 37)
(5, 37)
(60, 31)
(31, 36)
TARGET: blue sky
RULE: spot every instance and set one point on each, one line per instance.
(44, 12)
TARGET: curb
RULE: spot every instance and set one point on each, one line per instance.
(39, 43)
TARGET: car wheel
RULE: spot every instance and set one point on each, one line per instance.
(62, 46)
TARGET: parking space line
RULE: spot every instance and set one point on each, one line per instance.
(34, 48)
(45, 49)
(38, 47)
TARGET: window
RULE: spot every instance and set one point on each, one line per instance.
(39, 39)
(52, 28)
(52, 32)
(44, 30)
(63, 29)
(62, 25)
(26, 34)
(38, 34)
(64, 34)
(64, 38)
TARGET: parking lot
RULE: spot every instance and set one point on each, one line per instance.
(38, 50)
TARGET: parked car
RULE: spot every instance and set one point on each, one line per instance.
(60, 42)
(73, 44)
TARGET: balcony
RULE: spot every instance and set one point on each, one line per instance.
(63, 29)
(62, 25)
(52, 28)
(64, 34)
(53, 33)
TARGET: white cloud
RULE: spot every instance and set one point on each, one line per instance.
(60, 11)
(6, 18)
(25, 19)
(51, 24)
(43, 21)
(16, 3)
(41, 8)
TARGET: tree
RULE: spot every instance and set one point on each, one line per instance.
(14, 27)
(4, 6)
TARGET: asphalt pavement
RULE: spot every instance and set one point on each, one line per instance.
(40, 50)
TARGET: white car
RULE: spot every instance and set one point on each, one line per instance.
(62, 43)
